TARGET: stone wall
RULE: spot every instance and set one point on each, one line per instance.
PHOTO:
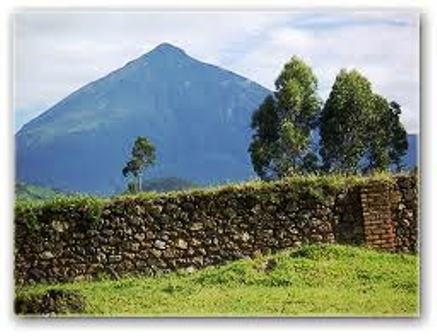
(405, 213)
(195, 229)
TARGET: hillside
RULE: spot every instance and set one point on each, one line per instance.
(411, 160)
(309, 281)
(167, 184)
(196, 114)
(34, 193)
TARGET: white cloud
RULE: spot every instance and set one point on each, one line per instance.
(57, 53)
(387, 54)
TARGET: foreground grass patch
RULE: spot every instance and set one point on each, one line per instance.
(313, 280)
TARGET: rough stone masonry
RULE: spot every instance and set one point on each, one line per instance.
(195, 229)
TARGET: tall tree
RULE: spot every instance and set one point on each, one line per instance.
(360, 131)
(398, 136)
(291, 143)
(344, 121)
(262, 149)
(378, 136)
(296, 94)
(142, 156)
(284, 121)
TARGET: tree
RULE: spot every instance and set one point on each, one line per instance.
(263, 147)
(360, 131)
(292, 140)
(387, 137)
(282, 124)
(296, 94)
(311, 163)
(398, 135)
(376, 157)
(142, 157)
(344, 121)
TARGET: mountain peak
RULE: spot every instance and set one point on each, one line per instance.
(167, 48)
(181, 104)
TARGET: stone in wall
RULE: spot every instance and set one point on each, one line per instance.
(349, 217)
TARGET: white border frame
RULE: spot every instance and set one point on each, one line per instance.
(428, 320)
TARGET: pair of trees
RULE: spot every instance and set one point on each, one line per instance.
(359, 130)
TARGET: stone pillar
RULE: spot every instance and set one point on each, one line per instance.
(379, 229)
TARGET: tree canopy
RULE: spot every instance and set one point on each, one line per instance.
(142, 156)
(283, 122)
(360, 131)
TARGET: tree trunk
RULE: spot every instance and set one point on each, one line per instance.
(139, 183)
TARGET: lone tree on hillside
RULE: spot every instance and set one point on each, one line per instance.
(142, 156)
(360, 131)
(283, 123)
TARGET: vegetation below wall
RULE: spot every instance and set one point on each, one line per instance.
(326, 280)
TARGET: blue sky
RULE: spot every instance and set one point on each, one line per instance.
(56, 53)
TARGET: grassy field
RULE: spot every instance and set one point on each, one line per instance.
(317, 280)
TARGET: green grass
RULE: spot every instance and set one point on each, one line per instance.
(335, 181)
(316, 280)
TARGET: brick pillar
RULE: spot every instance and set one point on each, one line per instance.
(379, 230)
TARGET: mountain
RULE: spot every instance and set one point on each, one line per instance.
(165, 184)
(197, 115)
(411, 159)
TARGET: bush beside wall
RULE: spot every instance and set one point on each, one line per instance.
(67, 240)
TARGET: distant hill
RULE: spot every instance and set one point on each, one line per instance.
(33, 192)
(411, 160)
(197, 115)
(167, 184)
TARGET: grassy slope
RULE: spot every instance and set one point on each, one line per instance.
(313, 280)
(30, 192)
